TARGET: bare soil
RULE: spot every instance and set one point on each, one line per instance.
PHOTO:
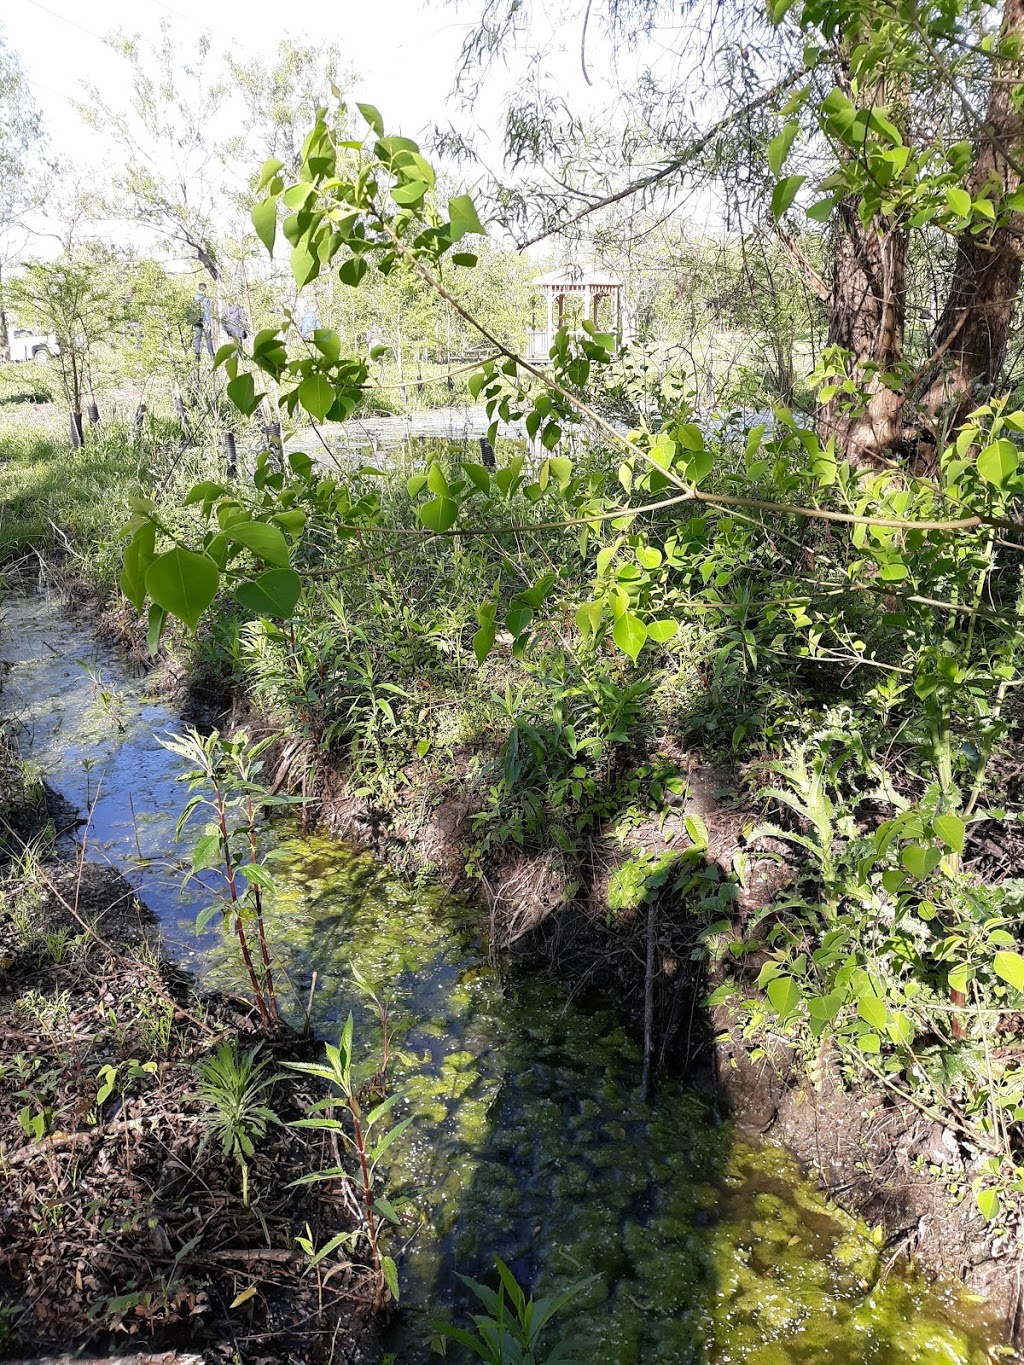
(123, 1220)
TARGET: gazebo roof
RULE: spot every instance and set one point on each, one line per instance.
(577, 277)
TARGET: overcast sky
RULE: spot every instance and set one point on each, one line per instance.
(60, 43)
(404, 52)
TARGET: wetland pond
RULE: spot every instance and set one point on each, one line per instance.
(529, 1140)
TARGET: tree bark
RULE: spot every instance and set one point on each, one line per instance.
(5, 337)
(970, 337)
(867, 318)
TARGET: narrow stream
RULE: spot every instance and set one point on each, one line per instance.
(530, 1141)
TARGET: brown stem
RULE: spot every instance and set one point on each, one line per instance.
(371, 1224)
(239, 926)
(260, 928)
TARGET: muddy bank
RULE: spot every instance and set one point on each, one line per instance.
(123, 1213)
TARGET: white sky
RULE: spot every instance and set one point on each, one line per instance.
(405, 53)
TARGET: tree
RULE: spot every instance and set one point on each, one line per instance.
(906, 123)
(73, 298)
(281, 99)
(168, 182)
(21, 137)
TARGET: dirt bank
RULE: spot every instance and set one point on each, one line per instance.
(124, 1214)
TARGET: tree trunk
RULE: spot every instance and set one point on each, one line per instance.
(969, 341)
(867, 316)
(5, 337)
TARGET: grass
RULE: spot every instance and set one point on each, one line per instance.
(67, 505)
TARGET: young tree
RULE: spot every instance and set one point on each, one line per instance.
(21, 138)
(73, 298)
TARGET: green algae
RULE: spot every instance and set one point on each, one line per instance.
(531, 1143)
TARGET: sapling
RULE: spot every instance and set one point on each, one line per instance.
(224, 779)
(357, 1137)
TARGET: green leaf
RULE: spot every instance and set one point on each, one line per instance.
(183, 584)
(463, 214)
(265, 541)
(630, 634)
(997, 463)
(950, 829)
(1010, 968)
(778, 148)
(138, 556)
(206, 852)
(920, 859)
(696, 829)
(269, 170)
(350, 272)
(274, 593)
(784, 994)
(373, 117)
(387, 1210)
(825, 1007)
(242, 392)
(390, 1273)
(660, 631)
(483, 641)
(409, 194)
(872, 1010)
(304, 264)
(316, 394)
(328, 343)
(264, 220)
(784, 193)
(439, 514)
(479, 475)
(959, 201)
(155, 628)
(988, 1202)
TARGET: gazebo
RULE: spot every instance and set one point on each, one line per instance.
(569, 295)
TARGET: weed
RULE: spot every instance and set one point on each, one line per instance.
(336, 1073)
(511, 1327)
(238, 1089)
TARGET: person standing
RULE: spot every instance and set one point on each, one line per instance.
(235, 322)
(308, 323)
(202, 326)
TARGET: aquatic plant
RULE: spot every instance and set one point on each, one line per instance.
(509, 1332)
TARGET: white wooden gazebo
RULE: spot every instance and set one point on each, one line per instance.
(600, 301)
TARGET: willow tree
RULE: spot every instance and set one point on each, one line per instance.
(20, 137)
(889, 126)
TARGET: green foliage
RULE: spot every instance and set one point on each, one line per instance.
(509, 1331)
(224, 779)
(367, 1147)
(237, 1088)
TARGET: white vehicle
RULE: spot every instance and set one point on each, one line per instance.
(29, 345)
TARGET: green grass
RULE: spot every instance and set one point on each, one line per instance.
(69, 505)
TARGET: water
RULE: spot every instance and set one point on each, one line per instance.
(364, 438)
(530, 1141)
